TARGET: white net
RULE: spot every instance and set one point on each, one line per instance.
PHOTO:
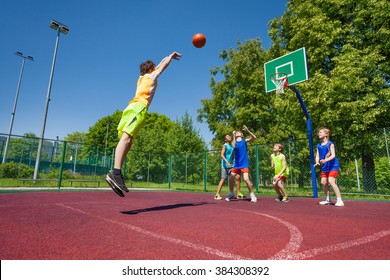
(280, 80)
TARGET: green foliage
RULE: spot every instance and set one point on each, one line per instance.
(238, 96)
(157, 139)
(348, 49)
(15, 170)
(104, 131)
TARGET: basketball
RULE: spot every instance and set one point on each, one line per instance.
(199, 40)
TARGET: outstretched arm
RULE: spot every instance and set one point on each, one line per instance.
(234, 139)
(165, 62)
(253, 137)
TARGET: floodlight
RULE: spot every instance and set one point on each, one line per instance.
(64, 29)
(54, 24)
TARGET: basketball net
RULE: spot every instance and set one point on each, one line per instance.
(280, 81)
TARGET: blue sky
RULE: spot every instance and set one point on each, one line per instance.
(98, 60)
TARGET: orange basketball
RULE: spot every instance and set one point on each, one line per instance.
(199, 40)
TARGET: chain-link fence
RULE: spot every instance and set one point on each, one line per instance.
(65, 164)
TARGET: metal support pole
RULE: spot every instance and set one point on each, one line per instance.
(310, 136)
(15, 103)
(38, 159)
(61, 29)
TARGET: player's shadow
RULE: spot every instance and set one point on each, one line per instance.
(163, 207)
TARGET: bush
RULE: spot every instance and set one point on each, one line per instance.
(15, 170)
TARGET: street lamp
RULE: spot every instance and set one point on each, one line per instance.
(15, 102)
(61, 29)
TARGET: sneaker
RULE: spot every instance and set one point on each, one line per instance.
(339, 203)
(240, 196)
(279, 198)
(114, 188)
(116, 180)
(229, 197)
(253, 198)
(217, 196)
(325, 202)
(285, 199)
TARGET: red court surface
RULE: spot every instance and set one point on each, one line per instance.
(188, 226)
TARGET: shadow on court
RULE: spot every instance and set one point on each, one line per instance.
(163, 207)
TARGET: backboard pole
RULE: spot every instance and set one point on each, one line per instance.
(310, 136)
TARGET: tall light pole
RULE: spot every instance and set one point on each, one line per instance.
(15, 102)
(61, 29)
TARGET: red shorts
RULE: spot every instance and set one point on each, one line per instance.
(282, 178)
(332, 173)
(240, 170)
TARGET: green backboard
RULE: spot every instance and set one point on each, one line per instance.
(294, 64)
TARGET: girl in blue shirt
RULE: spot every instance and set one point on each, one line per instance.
(326, 158)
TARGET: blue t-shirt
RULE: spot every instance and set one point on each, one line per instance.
(228, 155)
(323, 150)
(241, 155)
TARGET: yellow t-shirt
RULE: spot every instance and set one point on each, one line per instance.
(146, 87)
(278, 164)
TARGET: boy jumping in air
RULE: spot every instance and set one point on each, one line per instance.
(134, 116)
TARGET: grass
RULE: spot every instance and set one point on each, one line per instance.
(292, 190)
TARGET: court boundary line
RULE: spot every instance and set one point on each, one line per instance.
(206, 249)
(290, 252)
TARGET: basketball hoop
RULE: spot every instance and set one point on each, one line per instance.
(280, 81)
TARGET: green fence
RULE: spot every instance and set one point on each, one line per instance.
(67, 164)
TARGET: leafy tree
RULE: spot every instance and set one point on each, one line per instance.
(102, 137)
(187, 146)
(76, 137)
(238, 93)
(348, 47)
(184, 137)
(149, 150)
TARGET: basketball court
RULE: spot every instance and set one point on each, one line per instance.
(188, 226)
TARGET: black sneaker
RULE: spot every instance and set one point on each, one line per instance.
(114, 188)
(117, 180)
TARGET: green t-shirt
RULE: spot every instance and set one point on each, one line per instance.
(278, 163)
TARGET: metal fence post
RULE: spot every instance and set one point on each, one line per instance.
(170, 172)
(257, 167)
(205, 171)
(62, 165)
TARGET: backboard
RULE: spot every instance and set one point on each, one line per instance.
(294, 64)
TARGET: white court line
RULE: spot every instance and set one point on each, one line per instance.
(341, 246)
(290, 252)
(292, 246)
(177, 241)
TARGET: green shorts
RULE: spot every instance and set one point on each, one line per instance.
(133, 119)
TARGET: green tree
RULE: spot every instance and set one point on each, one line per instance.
(148, 157)
(238, 93)
(102, 137)
(348, 46)
(76, 137)
(187, 146)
